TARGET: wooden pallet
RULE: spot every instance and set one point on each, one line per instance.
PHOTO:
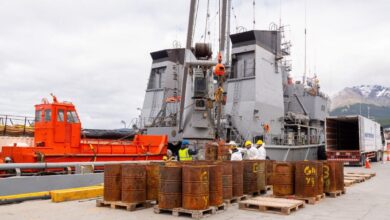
(237, 199)
(189, 213)
(361, 173)
(271, 205)
(257, 193)
(308, 200)
(365, 176)
(348, 183)
(356, 179)
(123, 205)
(336, 193)
(221, 208)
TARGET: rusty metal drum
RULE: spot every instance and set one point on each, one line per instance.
(333, 172)
(251, 176)
(283, 178)
(320, 180)
(262, 175)
(215, 187)
(211, 152)
(170, 190)
(227, 180)
(152, 181)
(306, 179)
(112, 182)
(195, 187)
(238, 178)
(269, 165)
(133, 183)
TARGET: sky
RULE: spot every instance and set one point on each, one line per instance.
(96, 53)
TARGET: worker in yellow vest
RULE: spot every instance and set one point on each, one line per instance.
(185, 154)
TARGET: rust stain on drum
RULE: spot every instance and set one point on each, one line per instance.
(306, 179)
(283, 178)
(238, 178)
(195, 187)
(333, 176)
(133, 183)
(152, 181)
(227, 180)
(112, 182)
(170, 190)
(251, 176)
(215, 187)
(269, 165)
(320, 169)
(262, 175)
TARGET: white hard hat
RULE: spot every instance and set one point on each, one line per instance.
(232, 143)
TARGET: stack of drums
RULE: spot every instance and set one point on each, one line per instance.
(262, 176)
(283, 178)
(238, 178)
(251, 170)
(195, 187)
(215, 188)
(152, 181)
(333, 172)
(133, 183)
(223, 152)
(320, 170)
(170, 189)
(112, 182)
(306, 179)
(269, 165)
(227, 180)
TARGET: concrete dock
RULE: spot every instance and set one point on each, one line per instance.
(367, 200)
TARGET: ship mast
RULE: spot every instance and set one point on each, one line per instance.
(190, 32)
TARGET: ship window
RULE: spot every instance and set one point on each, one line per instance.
(71, 117)
(156, 78)
(38, 116)
(60, 115)
(243, 65)
(47, 115)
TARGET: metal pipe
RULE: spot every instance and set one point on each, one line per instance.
(229, 5)
(222, 35)
(12, 166)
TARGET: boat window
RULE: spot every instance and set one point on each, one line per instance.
(156, 78)
(60, 115)
(38, 116)
(71, 117)
(243, 65)
(47, 115)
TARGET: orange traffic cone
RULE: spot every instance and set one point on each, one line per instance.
(368, 165)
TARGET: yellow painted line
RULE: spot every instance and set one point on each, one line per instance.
(76, 193)
(25, 195)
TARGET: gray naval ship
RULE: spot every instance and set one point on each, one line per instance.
(260, 99)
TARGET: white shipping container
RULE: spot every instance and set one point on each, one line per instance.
(370, 135)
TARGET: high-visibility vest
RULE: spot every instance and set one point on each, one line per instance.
(184, 155)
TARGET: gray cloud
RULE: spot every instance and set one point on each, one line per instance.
(96, 53)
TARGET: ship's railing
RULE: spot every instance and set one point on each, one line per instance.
(14, 125)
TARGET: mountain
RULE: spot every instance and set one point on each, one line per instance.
(372, 100)
(367, 94)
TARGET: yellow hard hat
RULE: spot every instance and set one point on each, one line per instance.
(259, 142)
(165, 158)
(247, 143)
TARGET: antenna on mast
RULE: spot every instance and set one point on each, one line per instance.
(304, 69)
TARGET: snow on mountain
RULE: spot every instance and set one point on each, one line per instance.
(366, 94)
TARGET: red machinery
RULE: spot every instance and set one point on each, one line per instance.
(57, 138)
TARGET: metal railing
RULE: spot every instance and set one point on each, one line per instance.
(14, 125)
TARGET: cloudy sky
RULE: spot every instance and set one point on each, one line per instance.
(95, 53)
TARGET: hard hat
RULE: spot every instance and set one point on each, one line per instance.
(232, 143)
(165, 158)
(185, 142)
(247, 143)
(259, 142)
